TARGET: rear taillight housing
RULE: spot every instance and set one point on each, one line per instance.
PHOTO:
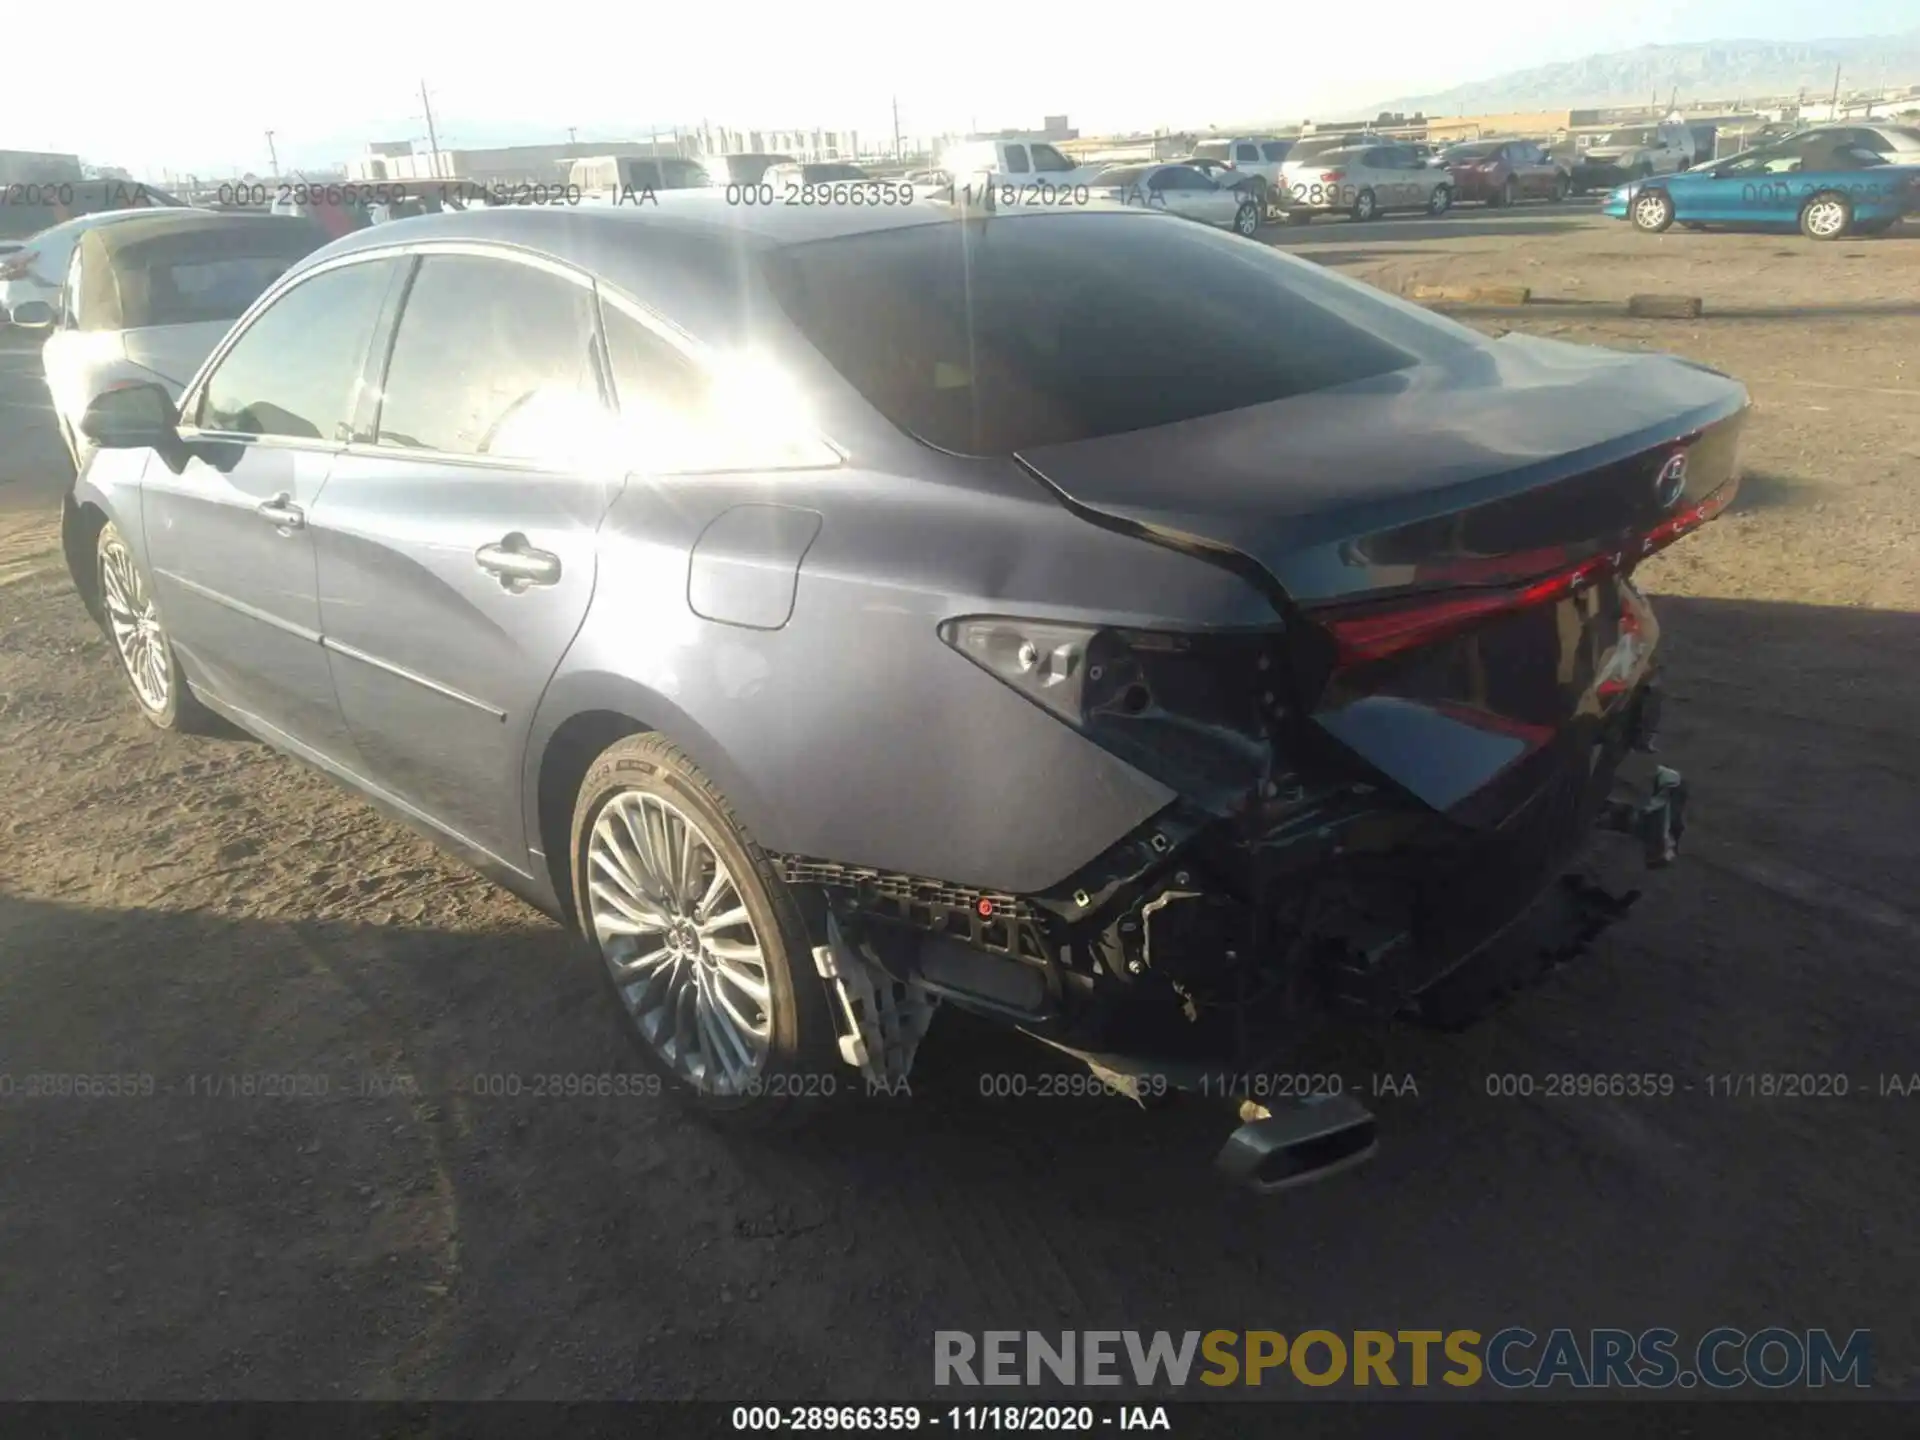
(18, 266)
(1332, 175)
(1367, 633)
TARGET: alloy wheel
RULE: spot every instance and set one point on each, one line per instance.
(674, 931)
(1650, 211)
(1826, 218)
(135, 624)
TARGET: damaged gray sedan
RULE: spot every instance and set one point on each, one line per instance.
(1104, 624)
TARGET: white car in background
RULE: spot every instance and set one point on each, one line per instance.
(34, 270)
(146, 301)
(1364, 181)
(1181, 190)
(1255, 159)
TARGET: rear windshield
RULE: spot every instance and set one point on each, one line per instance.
(1023, 331)
(1125, 175)
(1308, 149)
(1471, 152)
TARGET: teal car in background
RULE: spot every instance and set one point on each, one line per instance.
(1826, 183)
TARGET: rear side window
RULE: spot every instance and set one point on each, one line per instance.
(1017, 160)
(1275, 151)
(1041, 329)
(1049, 161)
(295, 370)
(1245, 153)
(491, 358)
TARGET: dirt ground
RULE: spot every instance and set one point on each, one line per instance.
(196, 909)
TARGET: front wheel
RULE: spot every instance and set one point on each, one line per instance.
(131, 620)
(1827, 216)
(1441, 200)
(1246, 220)
(1652, 211)
(1365, 206)
(702, 944)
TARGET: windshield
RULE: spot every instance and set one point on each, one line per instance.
(1615, 139)
(1040, 329)
(1126, 175)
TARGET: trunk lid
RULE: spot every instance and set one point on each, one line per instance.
(1449, 543)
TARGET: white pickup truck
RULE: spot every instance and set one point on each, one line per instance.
(1011, 174)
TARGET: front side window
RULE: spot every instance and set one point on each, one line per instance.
(491, 358)
(1048, 160)
(295, 371)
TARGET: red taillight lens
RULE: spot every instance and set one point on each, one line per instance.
(1329, 175)
(1381, 631)
(15, 267)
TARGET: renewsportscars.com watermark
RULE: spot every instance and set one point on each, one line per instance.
(1515, 1358)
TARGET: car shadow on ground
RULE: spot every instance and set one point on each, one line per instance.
(283, 1156)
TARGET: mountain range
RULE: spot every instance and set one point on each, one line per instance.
(1707, 70)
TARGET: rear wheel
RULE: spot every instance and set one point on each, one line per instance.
(701, 942)
(1246, 220)
(1826, 216)
(1365, 206)
(1652, 211)
(1441, 200)
(131, 620)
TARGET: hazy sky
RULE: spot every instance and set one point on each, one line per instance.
(196, 88)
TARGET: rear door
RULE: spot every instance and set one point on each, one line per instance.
(227, 538)
(455, 542)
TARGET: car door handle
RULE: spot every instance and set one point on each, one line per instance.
(283, 512)
(517, 563)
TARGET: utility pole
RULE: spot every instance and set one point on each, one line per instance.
(573, 135)
(433, 140)
(1833, 109)
(896, 127)
(273, 155)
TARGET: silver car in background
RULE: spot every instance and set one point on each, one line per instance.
(147, 299)
(1364, 181)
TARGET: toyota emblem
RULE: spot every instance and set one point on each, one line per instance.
(1672, 483)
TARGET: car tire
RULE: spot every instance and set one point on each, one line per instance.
(1366, 206)
(1826, 216)
(1441, 200)
(693, 1016)
(1651, 210)
(130, 619)
(1246, 220)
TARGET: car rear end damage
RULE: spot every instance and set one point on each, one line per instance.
(1388, 797)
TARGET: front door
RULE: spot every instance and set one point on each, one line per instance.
(456, 548)
(228, 539)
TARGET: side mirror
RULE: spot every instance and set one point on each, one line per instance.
(133, 417)
(34, 315)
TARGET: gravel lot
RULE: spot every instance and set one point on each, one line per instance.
(191, 908)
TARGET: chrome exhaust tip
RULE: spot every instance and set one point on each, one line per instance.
(1299, 1145)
